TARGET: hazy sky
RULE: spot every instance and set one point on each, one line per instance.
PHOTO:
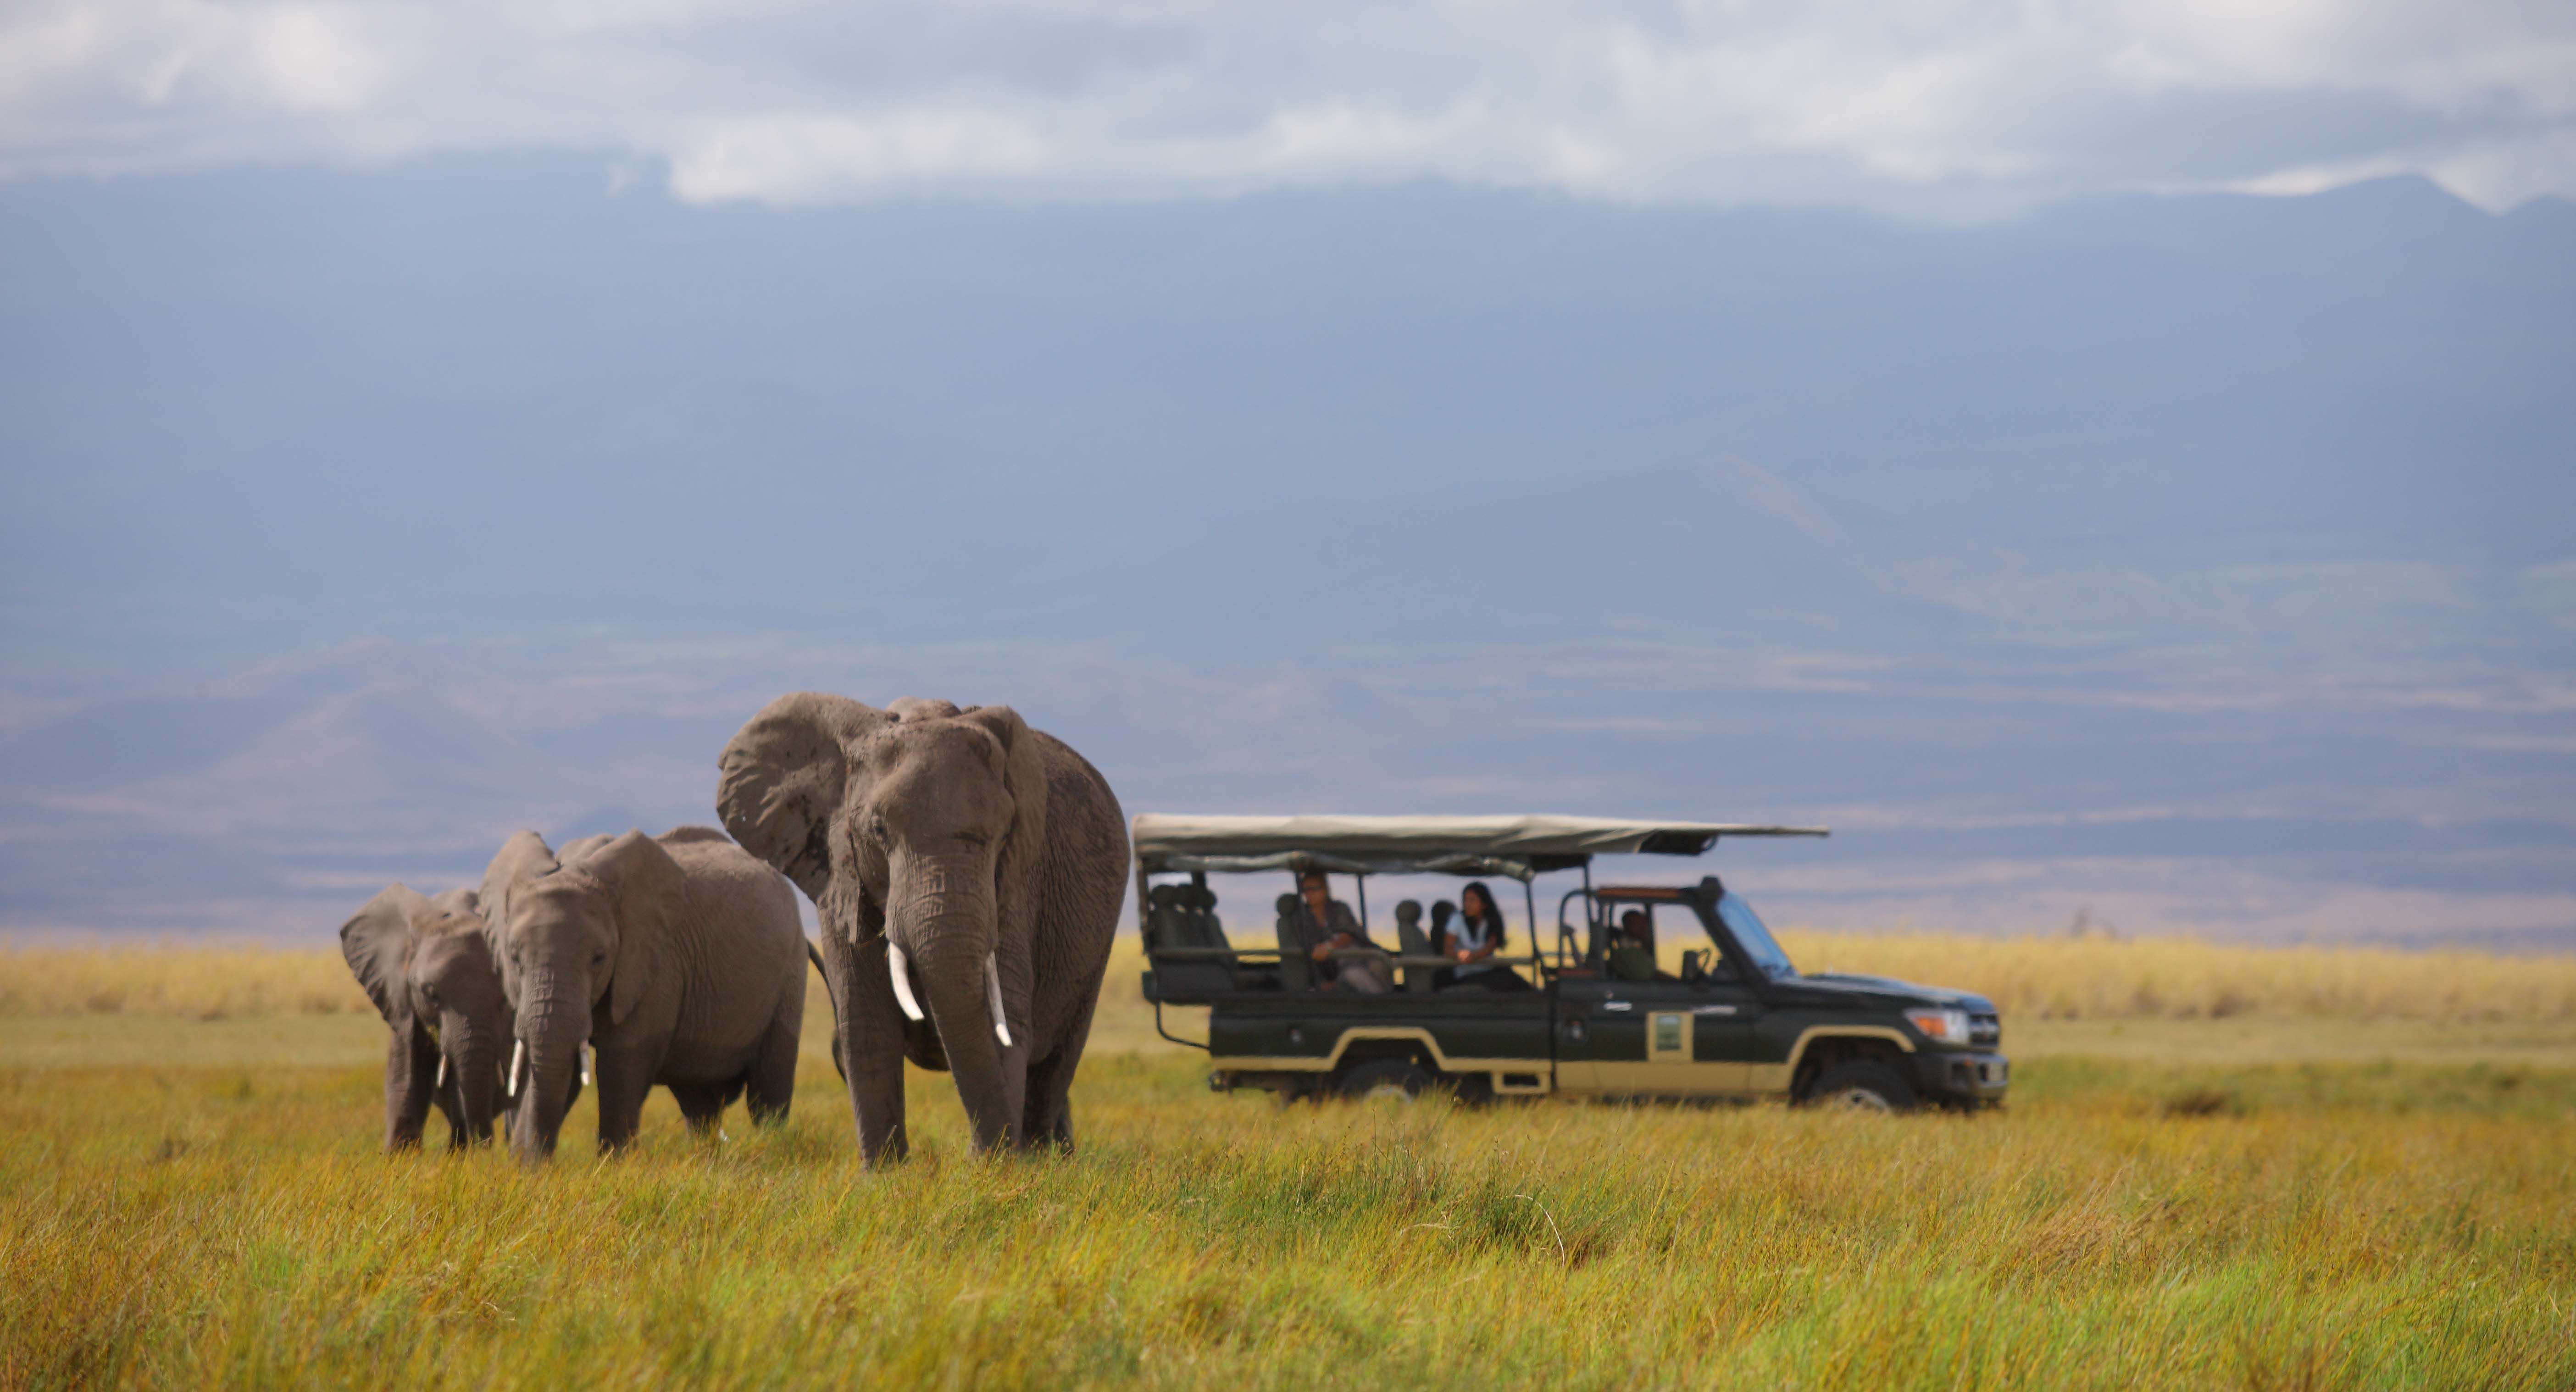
(1945, 108)
(2111, 458)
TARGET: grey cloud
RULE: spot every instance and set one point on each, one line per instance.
(1958, 110)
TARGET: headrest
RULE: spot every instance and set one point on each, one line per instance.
(1409, 911)
(1442, 912)
(1162, 896)
(1287, 905)
(1198, 897)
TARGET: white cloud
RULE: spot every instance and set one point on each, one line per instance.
(1937, 108)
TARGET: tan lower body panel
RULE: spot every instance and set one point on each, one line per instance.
(1655, 1079)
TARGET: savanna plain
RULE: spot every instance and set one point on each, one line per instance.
(2221, 1166)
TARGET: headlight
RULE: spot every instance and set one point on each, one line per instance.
(1946, 1026)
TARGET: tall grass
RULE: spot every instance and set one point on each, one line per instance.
(2051, 978)
(2186, 978)
(193, 981)
(2122, 1225)
(201, 1227)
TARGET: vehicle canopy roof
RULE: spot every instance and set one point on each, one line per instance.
(1519, 846)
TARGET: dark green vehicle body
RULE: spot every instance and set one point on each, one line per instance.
(1736, 1022)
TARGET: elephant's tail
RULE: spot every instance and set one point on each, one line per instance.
(815, 956)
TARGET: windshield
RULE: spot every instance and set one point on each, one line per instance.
(1740, 920)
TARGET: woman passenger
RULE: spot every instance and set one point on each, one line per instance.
(1473, 938)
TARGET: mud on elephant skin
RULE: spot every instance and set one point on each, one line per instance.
(968, 871)
(426, 965)
(678, 959)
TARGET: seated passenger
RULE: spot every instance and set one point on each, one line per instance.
(1472, 939)
(1632, 949)
(1322, 925)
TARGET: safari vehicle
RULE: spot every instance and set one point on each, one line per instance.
(1737, 1021)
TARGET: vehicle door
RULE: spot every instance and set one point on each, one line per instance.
(1662, 1037)
(1726, 1037)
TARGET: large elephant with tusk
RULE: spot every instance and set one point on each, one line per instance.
(678, 960)
(423, 961)
(968, 872)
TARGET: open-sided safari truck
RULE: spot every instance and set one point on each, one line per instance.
(1737, 1021)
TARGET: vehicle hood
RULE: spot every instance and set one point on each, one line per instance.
(1849, 989)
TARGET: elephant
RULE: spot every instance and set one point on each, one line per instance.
(679, 959)
(425, 964)
(959, 860)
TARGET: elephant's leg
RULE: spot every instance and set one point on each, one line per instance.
(411, 1061)
(771, 1084)
(701, 1104)
(623, 1076)
(869, 1030)
(1049, 1117)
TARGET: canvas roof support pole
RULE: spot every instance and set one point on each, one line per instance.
(1360, 882)
(1591, 913)
(1529, 906)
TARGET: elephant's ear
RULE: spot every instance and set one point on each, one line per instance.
(648, 892)
(378, 943)
(1024, 774)
(781, 780)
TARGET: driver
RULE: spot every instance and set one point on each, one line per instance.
(1632, 949)
(1323, 925)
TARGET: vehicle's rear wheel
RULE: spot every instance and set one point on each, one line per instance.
(1387, 1077)
(1862, 1085)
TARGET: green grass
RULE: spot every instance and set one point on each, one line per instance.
(2236, 1203)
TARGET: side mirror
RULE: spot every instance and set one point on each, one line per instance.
(1694, 972)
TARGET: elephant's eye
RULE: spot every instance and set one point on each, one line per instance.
(430, 993)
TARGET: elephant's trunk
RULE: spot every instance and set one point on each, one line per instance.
(554, 1022)
(961, 1008)
(473, 1057)
(942, 925)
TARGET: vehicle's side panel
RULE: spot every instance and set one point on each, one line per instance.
(1801, 1030)
(1462, 1031)
(1641, 1039)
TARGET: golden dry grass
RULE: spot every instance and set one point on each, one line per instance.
(2096, 978)
(2117, 1229)
(195, 981)
(2092, 978)
(2163, 1219)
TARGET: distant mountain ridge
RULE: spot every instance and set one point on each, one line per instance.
(2202, 562)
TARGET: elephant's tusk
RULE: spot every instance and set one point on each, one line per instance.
(518, 1060)
(585, 1065)
(993, 992)
(442, 1072)
(902, 985)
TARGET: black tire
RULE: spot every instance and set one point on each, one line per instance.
(1861, 1085)
(1386, 1077)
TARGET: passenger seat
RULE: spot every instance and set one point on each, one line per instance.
(1410, 942)
(1178, 933)
(1296, 970)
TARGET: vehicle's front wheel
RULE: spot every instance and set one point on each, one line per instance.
(1861, 1085)
(1390, 1077)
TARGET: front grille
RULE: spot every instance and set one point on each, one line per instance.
(1987, 1030)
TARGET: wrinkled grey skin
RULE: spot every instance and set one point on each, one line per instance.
(957, 837)
(678, 959)
(425, 964)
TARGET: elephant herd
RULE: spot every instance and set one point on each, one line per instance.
(967, 873)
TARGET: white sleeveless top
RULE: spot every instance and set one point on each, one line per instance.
(1468, 936)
